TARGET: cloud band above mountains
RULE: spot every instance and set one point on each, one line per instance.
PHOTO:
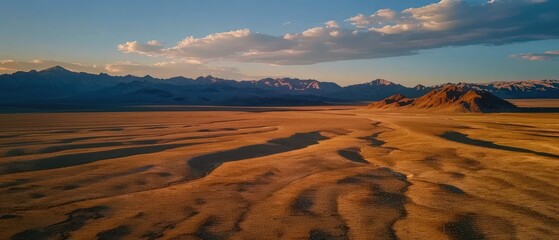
(385, 33)
(546, 56)
(161, 69)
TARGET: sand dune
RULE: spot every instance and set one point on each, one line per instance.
(310, 173)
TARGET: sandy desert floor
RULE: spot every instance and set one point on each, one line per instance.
(301, 173)
(545, 102)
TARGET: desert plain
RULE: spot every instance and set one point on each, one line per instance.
(330, 172)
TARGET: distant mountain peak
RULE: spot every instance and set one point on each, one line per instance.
(58, 84)
(381, 82)
(296, 84)
(419, 87)
(209, 78)
(55, 69)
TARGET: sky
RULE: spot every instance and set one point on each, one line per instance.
(343, 41)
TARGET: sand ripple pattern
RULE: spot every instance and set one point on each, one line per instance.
(325, 173)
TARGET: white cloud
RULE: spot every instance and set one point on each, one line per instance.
(313, 32)
(380, 17)
(331, 24)
(546, 56)
(154, 43)
(171, 69)
(359, 21)
(385, 33)
(385, 14)
(152, 48)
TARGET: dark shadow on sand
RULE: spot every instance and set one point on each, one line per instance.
(58, 148)
(353, 154)
(115, 233)
(538, 110)
(75, 221)
(462, 228)
(463, 138)
(303, 203)
(202, 165)
(81, 158)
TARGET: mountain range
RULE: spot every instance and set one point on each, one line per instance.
(57, 85)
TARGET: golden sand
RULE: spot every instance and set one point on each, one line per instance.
(299, 173)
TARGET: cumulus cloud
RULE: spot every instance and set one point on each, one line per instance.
(380, 17)
(384, 33)
(172, 69)
(331, 24)
(546, 56)
(151, 48)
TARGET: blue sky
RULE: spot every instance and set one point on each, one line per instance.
(85, 36)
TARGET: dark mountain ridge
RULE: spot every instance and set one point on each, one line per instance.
(58, 85)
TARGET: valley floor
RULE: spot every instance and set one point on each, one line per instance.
(304, 173)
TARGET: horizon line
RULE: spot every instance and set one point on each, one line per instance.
(275, 78)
